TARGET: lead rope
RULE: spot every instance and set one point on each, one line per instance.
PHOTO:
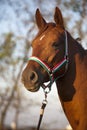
(44, 103)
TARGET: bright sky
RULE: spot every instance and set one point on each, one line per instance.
(11, 21)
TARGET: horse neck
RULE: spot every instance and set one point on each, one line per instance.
(76, 54)
(74, 48)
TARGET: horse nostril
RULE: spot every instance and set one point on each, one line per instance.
(33, 76)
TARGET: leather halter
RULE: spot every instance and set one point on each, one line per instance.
(57, 67)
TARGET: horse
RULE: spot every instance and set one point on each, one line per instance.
(58, 57)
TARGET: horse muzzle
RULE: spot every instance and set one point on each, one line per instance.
(30, 80)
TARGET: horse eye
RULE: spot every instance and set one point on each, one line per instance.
(55, 45)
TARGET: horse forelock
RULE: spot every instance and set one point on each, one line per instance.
(49, 27)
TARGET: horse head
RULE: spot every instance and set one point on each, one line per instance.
(49, 50)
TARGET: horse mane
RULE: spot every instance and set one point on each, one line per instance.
(78, 46)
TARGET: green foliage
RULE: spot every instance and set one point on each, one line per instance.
(7, 47)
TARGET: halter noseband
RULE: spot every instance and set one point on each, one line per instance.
(51, 71)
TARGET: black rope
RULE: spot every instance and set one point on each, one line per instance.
(44, 103)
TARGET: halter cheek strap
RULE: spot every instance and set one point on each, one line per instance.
(57, 67)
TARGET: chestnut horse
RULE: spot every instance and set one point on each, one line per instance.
(58, 57)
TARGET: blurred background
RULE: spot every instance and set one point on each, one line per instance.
(19, 108)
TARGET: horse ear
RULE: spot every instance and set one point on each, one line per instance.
(39, 19)
(58, 17)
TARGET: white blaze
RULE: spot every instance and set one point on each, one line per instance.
(42, 37)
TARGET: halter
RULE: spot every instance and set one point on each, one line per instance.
(57, 67)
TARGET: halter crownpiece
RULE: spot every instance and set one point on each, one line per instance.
(57, 67)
